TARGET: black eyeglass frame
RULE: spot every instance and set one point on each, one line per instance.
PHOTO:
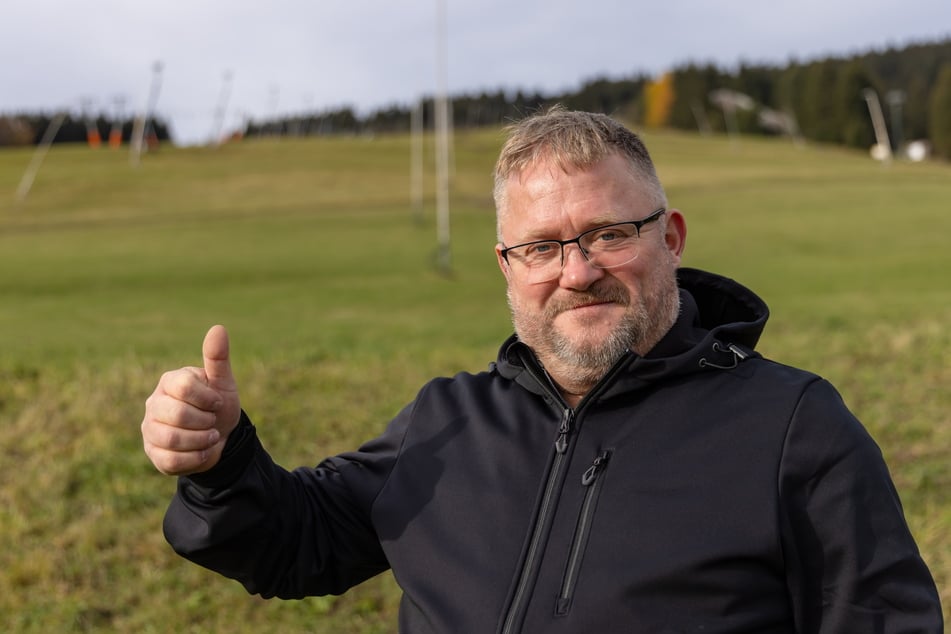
(651, 217)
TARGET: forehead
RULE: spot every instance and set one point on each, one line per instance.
(546, 200)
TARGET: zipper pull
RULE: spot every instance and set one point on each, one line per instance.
(591, 474)
(561, 443)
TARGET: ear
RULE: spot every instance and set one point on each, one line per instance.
(675, 236)
(503, 265)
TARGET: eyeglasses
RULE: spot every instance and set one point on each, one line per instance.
(603, 247)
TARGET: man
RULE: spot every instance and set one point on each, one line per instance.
(629, 463)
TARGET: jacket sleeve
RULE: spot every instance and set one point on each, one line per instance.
(284, 533)
(852, 563)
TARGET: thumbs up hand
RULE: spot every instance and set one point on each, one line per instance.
(192, 411)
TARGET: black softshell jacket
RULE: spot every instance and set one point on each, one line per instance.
(701, 488)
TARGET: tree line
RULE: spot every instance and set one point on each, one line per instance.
(825, 100)
(28, 129)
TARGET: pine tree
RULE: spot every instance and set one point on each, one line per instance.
(939, 114)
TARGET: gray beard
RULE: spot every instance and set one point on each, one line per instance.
(645, 322)
(590, 363)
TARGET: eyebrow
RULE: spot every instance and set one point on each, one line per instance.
(594, 223)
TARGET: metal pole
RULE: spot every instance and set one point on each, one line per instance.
(26, 183)
(274, 97)
(307, 115)
(878, 123)
(93, 139)
(115, 134)
(222, 108)
(138, 129)
(895, 99)
(442, 144)
(416, 161)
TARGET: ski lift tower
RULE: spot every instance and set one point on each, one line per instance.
(883, 148)
(138, 128)
(729, 101)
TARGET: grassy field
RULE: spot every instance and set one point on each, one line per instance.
(310, 253)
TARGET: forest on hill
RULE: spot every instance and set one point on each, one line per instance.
(829, 100)
(825, 100)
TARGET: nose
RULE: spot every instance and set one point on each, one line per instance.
(576, 272)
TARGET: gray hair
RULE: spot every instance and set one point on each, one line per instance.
(570, 139)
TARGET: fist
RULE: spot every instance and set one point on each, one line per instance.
(192, 411)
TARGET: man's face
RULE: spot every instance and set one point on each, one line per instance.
(582, 321)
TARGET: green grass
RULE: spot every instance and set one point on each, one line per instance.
(110, 275)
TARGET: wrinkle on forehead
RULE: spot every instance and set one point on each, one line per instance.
(608, 180)
(553, 163)
(550, 199)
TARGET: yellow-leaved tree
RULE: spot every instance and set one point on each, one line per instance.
(659, 98)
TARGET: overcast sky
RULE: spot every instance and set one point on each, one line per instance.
(285, 56)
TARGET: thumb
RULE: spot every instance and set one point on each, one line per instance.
(216, 359)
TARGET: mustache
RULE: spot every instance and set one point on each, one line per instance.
(595, 295)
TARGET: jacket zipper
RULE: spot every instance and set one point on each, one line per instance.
(516, 609)
(591, 480)
(515, 613)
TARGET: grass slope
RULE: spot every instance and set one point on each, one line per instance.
(310, 253)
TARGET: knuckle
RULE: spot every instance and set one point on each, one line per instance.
(158, 435)
(175, 412)
(167, 378)
(186, 463)
(173, 462)
(170, 438)
(178, 382)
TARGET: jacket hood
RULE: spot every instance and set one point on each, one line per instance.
(719, 325)
(719, 305)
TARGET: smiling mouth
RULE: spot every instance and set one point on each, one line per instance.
(592, 305)
(594, 299)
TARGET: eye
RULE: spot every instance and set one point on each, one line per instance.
(541, 249)
(606, 236)
(610, 235)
